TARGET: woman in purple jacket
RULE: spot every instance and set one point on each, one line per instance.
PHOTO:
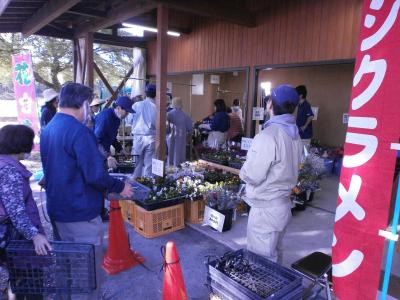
(16, 199)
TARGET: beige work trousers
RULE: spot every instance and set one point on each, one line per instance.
(265, 230)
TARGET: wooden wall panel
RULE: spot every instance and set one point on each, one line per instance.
(288, 31)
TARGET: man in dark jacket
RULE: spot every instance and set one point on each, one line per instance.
(305, 116)
(106, 127)
(75, 175)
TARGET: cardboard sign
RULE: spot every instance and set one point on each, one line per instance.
(315, 112)
(214, 218)
(258, 113)
(369, 160)
(246, 143)
(157, 167)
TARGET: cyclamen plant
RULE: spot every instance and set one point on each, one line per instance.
(222, 199)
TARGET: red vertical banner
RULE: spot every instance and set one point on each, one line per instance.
(24, 90)
(369, 156)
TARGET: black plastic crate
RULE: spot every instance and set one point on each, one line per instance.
(149, 206)
(224, 293)
(68, 269)
(235, 165)
(265, 280)
(125, 168)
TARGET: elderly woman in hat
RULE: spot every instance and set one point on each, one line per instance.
(95, 108)
(49, 109)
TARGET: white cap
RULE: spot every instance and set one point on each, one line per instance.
(49, 95)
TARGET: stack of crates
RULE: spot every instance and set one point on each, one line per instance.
(265, 281)
(194, 210)
(128, 209)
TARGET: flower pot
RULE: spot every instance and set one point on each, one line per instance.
(228, 213)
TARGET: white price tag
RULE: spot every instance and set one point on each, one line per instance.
(345, 118)
(214, 218)
(258, 113)
(246, 143)
(157, 167)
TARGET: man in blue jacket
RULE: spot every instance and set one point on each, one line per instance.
(75, 175)
(106, 127)
(305, 116)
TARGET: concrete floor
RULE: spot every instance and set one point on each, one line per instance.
(146, 282)
(309, 231)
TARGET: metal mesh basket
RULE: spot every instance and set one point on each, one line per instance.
(262, 279)
(68, 269)
(126, 158)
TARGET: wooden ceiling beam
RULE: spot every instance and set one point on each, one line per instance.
(24, 4)
(56, 31)
(128, 9)
(87, 12)
(10, 28)
(3, 5)
(101, 38)
(50, 11)
(151, 23)
(215, 9)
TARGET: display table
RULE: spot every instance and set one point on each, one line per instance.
(220, 167)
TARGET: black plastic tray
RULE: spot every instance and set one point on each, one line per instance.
(216, 161)
(235, 165)
(275, 281)
(159, 204)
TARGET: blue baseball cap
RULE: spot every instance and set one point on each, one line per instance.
(150, 88)
(285, 93)
(125, 103)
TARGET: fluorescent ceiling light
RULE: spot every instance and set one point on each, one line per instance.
(266, 86)
(151, 29)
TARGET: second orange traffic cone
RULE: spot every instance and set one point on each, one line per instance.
(174, 285)
(119, 256)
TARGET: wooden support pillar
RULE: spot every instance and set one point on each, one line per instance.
(251, 101)
(161, 80)
(83, 60)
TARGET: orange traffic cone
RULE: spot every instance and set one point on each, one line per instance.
(174, 285)
(119, 256)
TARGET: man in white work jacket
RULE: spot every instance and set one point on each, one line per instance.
(144, 132)
(270, 173)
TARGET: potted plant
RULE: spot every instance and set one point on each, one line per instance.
(223, 201)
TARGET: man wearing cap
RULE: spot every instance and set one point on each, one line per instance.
(270, 172)
(144, 132)
(305, 116)
(75, 175)
(49, 109)
(180, 125)
(106, 127)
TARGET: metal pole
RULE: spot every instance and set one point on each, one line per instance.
(389, 258)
